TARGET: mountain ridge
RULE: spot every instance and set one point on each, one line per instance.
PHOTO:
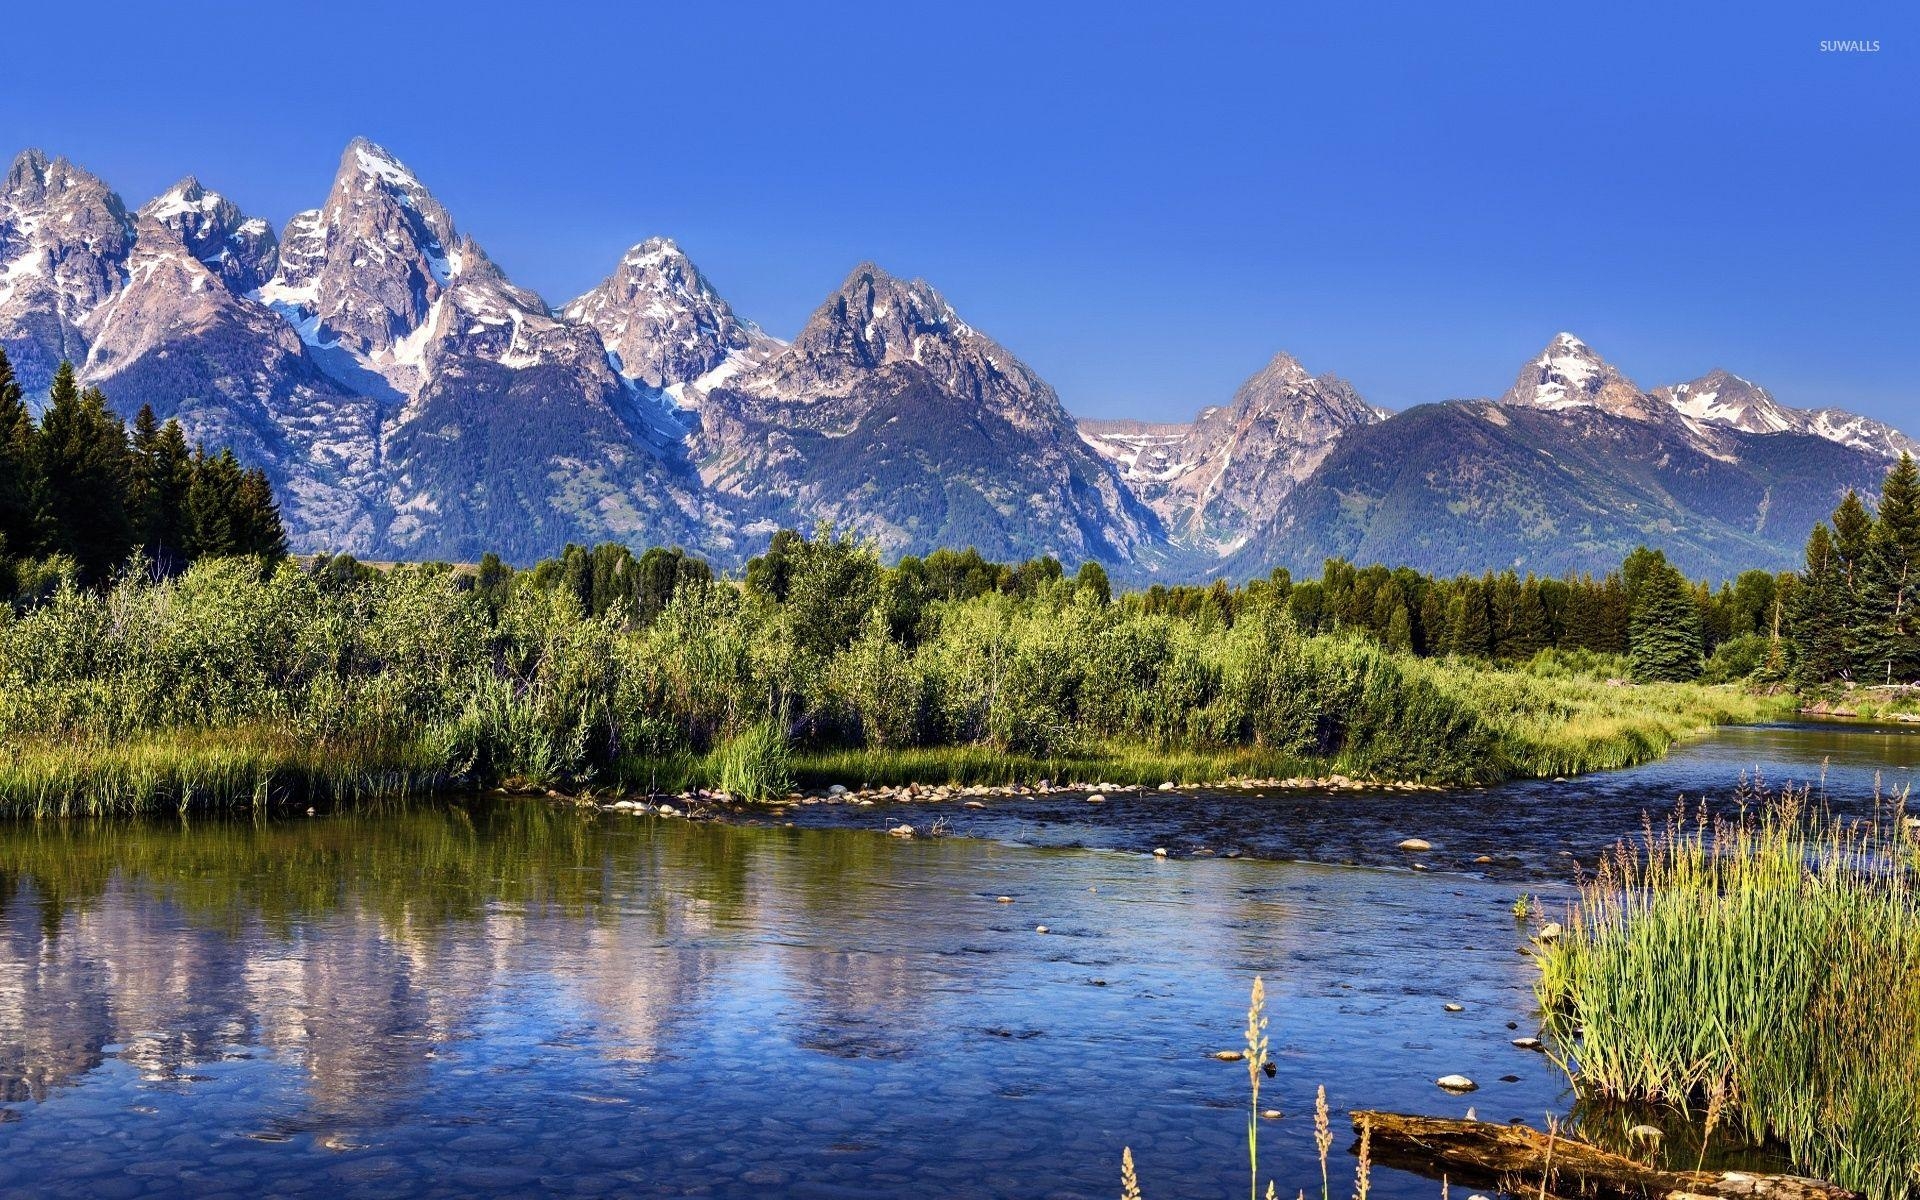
(409, 399)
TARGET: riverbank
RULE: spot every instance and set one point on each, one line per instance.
(1529, 727)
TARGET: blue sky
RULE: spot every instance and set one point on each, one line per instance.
(1143, 205)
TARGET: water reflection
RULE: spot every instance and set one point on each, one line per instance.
(484, 999)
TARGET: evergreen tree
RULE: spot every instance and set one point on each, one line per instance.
(214, 525)
(85, 464)
(22, 498)
(263, 535)
(1817, 613)
(1092, 578)
(1664, 634)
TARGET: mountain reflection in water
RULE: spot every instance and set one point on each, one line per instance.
(498, 999)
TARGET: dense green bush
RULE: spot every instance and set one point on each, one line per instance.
(524, 678)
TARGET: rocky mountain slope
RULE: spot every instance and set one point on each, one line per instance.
(892, 416)
(1722, 398)
(1571, 469)
(1214, 481)
(410, 400)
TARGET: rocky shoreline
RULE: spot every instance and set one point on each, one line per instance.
(700, 803)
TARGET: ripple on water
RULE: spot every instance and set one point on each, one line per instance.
(505, 999)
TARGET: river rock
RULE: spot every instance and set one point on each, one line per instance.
(1527, 1043)
(1159, 851)
(1551, 931)
(973, 804)
(1167, 786)
(1040, 929)
(1229, 1055)
(1455, 1007)
(838, 789)
(1096, 798)
(901, 831)
(1457, 1083)
(1415, 845)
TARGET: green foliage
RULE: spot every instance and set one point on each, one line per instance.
(78, 487)
(504, 677)
(756, 764)
(1664, 636)
(1683, 978)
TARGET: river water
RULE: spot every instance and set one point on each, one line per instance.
(512, 999)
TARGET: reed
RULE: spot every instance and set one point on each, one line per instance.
(1763, 970)
(1258, 1058)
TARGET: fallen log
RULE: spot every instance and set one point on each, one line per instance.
(1527, 1162)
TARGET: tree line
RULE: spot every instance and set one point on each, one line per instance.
(81, 494)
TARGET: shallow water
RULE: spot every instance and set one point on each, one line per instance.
(512, 999)
(1534, 830)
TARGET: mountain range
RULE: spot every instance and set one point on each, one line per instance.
(410, 401)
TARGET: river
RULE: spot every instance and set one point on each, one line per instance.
(506, 998)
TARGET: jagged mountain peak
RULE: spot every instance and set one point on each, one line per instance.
(664, 324)
(241, 250)
(1722, 398)
(874, 318)
(1231, 469)
(1570, 374)
(374, 163)
(361, 275)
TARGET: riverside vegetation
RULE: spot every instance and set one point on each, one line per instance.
(236, 684)
(1764, 970)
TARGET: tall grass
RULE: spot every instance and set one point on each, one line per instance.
(755, 763)
(1765, 970)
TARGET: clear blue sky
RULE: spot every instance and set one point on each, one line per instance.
(1143, 206)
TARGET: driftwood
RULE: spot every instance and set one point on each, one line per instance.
(1531, 1163)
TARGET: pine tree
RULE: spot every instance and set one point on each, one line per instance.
(262, 534)
(23, 528)
(86, 466)
(1664, 635)
(214, 529)
(1816, 613)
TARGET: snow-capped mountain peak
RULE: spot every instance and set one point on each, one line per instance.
(241, 250)
(1569, 374)
(664, 325)
(1721, 398)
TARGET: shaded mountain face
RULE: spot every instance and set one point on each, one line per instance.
(891, 416)
(1215, 480)
(1473, 485)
